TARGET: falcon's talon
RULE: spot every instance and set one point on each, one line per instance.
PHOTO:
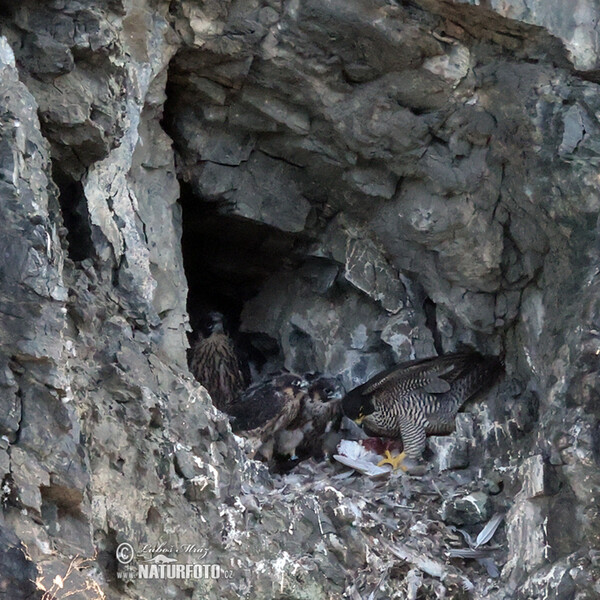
(395, 461)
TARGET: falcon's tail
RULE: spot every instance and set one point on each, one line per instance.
(479, 376)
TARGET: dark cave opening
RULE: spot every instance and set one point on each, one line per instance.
(226, 259)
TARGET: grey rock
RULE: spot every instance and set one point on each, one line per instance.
(29, 495)
(366, 266)
(452, 451)
(269, 194)
(212, 144)
(264, 190)
(538, 477)
(276, 110)
(467, 510)
(249, 120)
(372, 182)
(4, 463)
(206, 89)
(551, 584)
(319, 274)
(576, 23)
(315, 333)
(408, 336)
(18, 571)
(184, 464)
(367, 270)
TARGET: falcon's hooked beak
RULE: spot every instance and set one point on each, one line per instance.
(361, 418)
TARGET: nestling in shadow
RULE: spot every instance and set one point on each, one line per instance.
(288, 415)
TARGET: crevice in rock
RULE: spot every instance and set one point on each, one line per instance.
(309, 199)
(15, 435)
(75, 216)
(106, 543)
(66, 521)
(429, 308)
(591, 76)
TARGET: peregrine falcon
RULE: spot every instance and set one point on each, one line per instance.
(216, 364)
(288, 415)
(318, 420)
(267, 408)
(420, 398)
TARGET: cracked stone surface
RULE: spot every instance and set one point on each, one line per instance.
(388, 180)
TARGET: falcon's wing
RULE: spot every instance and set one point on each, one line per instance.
(429, 375)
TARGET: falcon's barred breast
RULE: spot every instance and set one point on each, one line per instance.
(216, 364)
(421, 397)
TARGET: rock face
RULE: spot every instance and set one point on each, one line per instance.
(359, 182)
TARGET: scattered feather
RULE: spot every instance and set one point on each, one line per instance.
(474, 553)
(487, 533)
(424, 563)
(482, 555)
(363, 466)
(428, 565)
(353, 454)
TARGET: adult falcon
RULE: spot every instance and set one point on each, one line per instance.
(419, 398)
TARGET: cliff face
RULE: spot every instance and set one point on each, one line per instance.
(356, 182)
